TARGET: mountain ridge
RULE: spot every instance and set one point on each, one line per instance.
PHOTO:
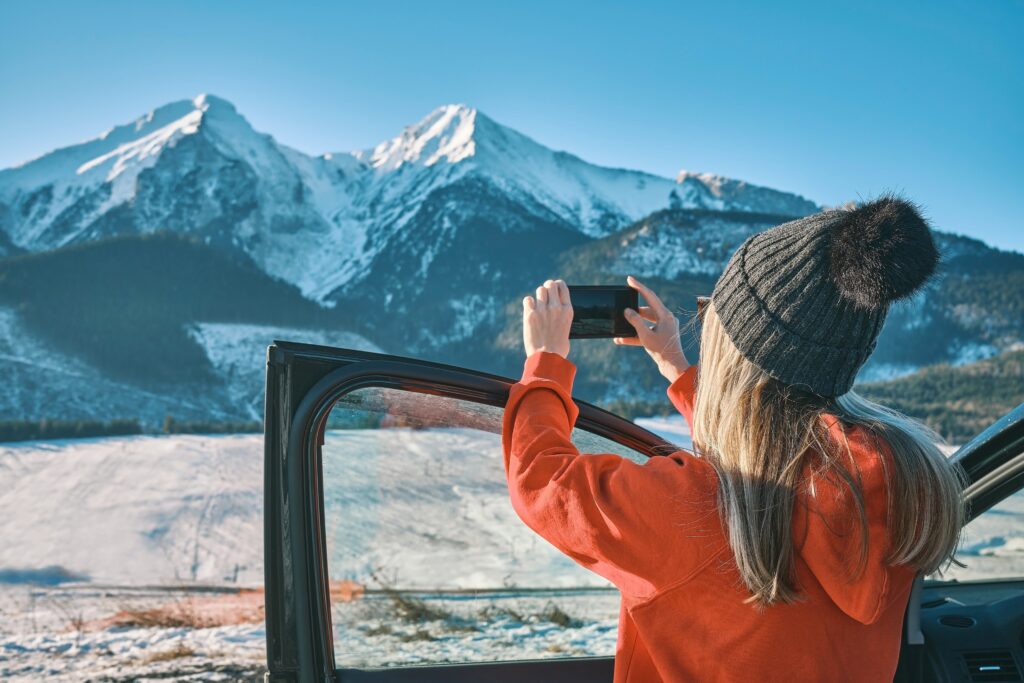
(422, 245)
(52, 200)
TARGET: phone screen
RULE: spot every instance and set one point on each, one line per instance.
(598, 311)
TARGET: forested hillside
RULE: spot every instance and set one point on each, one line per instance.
(958, 402)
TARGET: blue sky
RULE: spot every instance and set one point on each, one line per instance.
(832, 100)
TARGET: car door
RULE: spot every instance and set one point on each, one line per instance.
(392, 552)
(968, 624)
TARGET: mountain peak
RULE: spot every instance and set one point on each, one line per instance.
(719, 192)
(205, 101)
(189, 111)
(444, 135)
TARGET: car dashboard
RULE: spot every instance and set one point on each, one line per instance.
(974, 630)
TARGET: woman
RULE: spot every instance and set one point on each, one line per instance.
(786, 547)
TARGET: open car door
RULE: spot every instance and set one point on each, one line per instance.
(392, 552)
(969, 624)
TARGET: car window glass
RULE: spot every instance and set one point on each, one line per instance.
(992, 545)
(427, 559)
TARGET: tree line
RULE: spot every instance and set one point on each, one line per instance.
(33, 430)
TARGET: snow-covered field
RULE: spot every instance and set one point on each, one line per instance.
(495, 625)
(136, 510)
(58, 634)
(100, 535)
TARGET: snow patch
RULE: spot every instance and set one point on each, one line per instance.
(445, 135)
(883, 372)
(972, 353)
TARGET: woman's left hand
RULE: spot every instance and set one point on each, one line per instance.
(547, 319)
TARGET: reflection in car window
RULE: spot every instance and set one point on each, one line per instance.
(427, 559)
(992, 546)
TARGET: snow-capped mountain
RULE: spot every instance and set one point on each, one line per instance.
(135, 257)
(197, 166)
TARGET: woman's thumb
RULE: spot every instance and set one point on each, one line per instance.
(638, 323)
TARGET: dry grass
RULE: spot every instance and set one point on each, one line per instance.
(557, 615)
(179, 651)
(419, 634)
(407, 607)
(191, 611)
(381, 630)
(346, 590)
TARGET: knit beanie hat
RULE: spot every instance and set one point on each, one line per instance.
(805, 300)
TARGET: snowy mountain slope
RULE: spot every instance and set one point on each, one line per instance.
(237, 353)
(671, 244)
(194, 166)
(422, 245)
(318, 222)
(122, 312)
(43, 382)
(710, 191)
(596, 199)
(972, 310)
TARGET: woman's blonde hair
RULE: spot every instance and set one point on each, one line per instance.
(758, 433)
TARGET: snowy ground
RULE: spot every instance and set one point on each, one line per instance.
(136, 509)
(993, 545)
(489, 626)
(57, 634)
(97, 529)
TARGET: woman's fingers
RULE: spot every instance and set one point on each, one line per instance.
(659, 308)
(529, 304)
(628, 341)
(563, 292)
(553, 293)
(647, 313)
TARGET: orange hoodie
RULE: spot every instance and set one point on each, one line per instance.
(653, 530)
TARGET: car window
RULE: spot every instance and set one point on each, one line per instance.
(427, 559)
(992, 545)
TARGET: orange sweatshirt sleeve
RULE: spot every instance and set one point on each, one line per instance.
(682, 393)
(622, 520)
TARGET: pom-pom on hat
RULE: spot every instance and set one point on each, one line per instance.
(806, 300)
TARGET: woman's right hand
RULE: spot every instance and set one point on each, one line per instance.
(661, 340)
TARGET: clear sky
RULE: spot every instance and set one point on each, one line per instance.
(832, 100)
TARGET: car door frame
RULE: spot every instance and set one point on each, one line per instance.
(302, 383)
(993, 462)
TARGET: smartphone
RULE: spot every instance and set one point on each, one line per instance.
(599, 311)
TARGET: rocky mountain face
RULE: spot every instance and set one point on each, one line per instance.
(422, 245)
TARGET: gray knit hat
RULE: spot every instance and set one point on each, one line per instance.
(805, 300)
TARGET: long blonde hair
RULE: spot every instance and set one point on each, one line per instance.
(758, 433)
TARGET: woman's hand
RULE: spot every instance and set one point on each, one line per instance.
(546, 319)
(661, 340)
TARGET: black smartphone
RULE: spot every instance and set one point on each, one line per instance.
(599, 311)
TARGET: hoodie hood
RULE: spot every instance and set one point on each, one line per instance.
(844, 551)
